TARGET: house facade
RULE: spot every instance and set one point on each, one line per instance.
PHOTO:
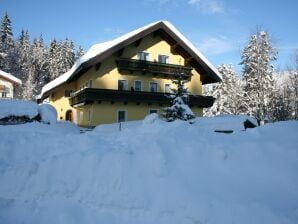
(7, 84)
(130, 77)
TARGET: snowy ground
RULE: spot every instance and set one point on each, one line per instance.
(150, 172)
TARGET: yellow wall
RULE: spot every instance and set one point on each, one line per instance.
(107, 76)
(105, 112)
(60, 102)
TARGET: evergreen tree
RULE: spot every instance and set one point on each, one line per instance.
(179, 108)
(228, 94)
(53, 60)
(79, 53)
(40, 64)
(6, 44)
(257, 73)
(23, 57)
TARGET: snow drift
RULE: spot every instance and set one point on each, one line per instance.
(150, 172)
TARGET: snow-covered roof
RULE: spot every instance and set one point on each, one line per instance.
(10, 77)
(100, 51)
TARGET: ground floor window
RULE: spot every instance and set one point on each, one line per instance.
(121, 116)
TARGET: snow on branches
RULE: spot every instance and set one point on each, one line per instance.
(179, 108)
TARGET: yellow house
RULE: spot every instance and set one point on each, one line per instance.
(129, 77)
(7, 84)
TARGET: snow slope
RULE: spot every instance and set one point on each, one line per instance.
(150, 172)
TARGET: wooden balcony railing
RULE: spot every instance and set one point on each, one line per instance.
(91, 95)
(154, 68)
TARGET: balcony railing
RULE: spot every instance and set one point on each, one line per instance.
(156, 68)
(91, 95)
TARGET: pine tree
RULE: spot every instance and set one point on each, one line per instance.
(23, 56)
(40, 64)
(79, 53)
(257, 74)
(6, 44)
(179, 108)
(228, 94)
(53, 59)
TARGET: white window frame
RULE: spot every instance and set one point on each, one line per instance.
(166, 88)
(150, 86)
(134, 86)
(163, 55)
(126, 87)
(125, 115)
(143, 52)
(153, 109)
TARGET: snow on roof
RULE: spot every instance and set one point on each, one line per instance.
(100, 48)
(10, 77)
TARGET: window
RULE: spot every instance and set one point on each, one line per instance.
(163, 59)
(167, 88)
(138, 85)
(121, 116)
(4, 94)
(67, 92)
(153, 87)
(144, 56)
(122, 84)
(153, 111)
(90, 83)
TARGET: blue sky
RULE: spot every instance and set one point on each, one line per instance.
(219, 28)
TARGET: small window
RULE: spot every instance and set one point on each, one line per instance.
(138, 85)
(153, 87)
(121, 116)
(163, 59)
(4, 94)
(144, 56)
(90, 83)
(167, 88)
(122, 84)
(153, 111)
(67, 92)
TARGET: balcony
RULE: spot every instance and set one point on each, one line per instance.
(91, 95)
(155, 68)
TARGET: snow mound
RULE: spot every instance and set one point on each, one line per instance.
(18, 108)
(48, 113)
(151, 118)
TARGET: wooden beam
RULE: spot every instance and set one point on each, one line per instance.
(138, 42)
(97, 66)
(120, 52)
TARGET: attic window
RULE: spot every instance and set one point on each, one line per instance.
(144, 56)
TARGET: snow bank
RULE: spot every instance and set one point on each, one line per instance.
(149, 173)
(18, 108)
